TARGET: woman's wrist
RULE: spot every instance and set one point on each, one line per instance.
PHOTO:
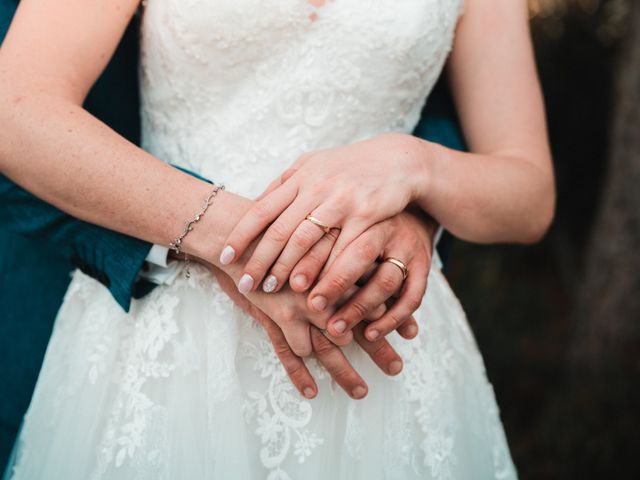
(427, 176)
(416, 165)
(206, 240)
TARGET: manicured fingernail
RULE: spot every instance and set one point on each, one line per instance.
(373, 334)
(299, 281)
(412, 330)
(227, 255)
(308, 392)
(245, 284)
(270, 283)
(395, 367)
(319, 303)
(340, 326)
(358, 392)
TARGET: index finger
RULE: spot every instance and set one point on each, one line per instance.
(256, 220)
(354, 262)
(295, 367)
(380, 351)
(334, 361)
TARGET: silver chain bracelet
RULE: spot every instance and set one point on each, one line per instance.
(176, 245)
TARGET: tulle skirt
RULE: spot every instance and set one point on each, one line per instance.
(186, 386)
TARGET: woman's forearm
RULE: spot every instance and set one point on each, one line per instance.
(485, 198)
(61, 153)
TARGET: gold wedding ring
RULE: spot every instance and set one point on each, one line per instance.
(325, 228)
(400, 264)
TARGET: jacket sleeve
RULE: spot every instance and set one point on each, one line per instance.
(439, 121)
(110, 257)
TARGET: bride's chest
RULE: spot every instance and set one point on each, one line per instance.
(228, 33)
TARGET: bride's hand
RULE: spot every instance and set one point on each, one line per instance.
(351, 188)
(408, 237)
(328, 354)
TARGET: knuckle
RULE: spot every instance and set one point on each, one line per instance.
(338, 283)
(278, 232)
(279, 268)
(366, 210)
(303, 239)
(282, 350)
(321, 344)
(344, 373)
(381, 351)
(256, 266)
(314, 258)
(414, 302)
(340, 204)
(341, 196)
(367, 250)
(357, 310)
(261, 210)
(332, 235)
(286, 318)
(295, 370)
(395, 319)
(344, 340)
(388, 283)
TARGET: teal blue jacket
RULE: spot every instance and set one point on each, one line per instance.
(41, 245)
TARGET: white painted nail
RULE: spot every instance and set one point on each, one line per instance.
(227, 255)
(270, 283)
(245, 284)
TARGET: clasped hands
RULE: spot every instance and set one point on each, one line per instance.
(315, 289)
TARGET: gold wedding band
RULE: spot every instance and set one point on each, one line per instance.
(400, 264)
(325, 228)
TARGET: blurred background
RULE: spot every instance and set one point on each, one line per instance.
(559, 323)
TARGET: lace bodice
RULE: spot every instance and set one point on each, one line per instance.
(238, 89)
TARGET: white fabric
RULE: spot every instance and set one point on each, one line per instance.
(158, 256)
(436, 239)
(186, 386)
(159, 269)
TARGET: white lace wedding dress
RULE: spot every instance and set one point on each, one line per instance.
(186, 386)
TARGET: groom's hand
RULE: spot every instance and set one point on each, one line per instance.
(328, 354)
(407, 237)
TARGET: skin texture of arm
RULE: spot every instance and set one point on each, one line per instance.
(504, 190)
(51, 146)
